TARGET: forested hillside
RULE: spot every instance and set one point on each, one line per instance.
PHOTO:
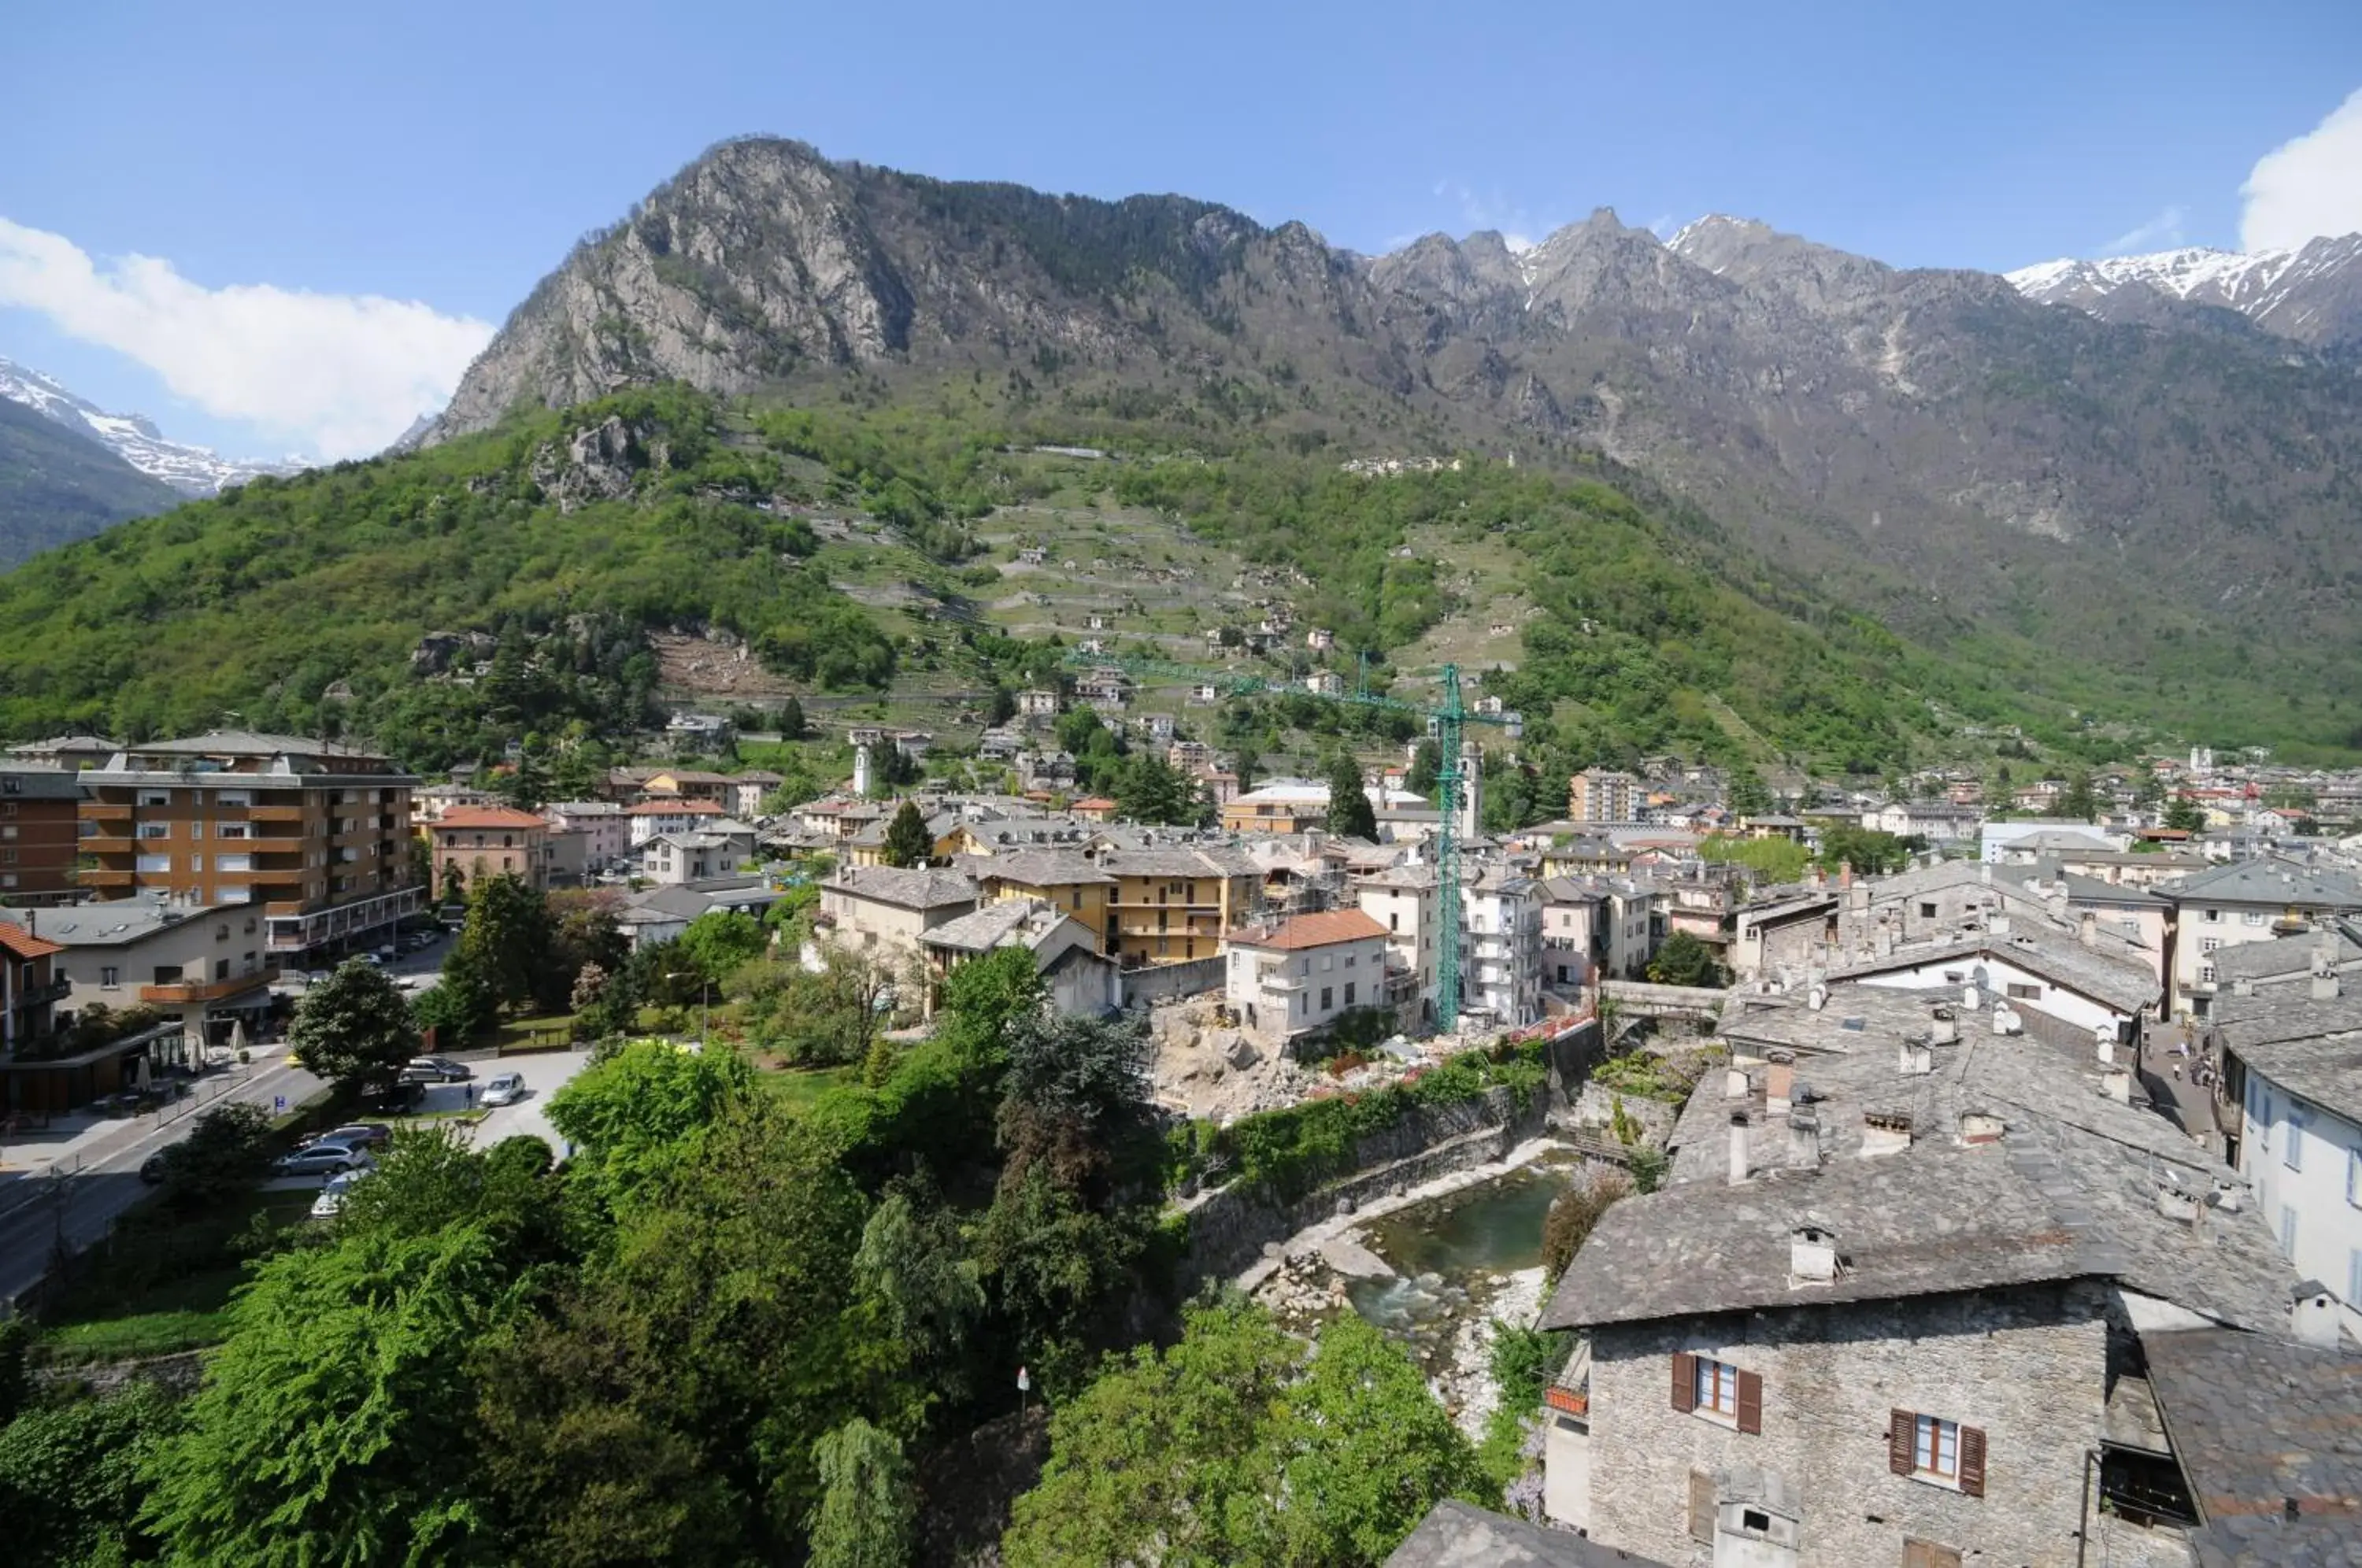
(55, 485)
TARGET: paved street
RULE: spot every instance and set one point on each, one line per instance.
(544, 1073)
(76, 1177)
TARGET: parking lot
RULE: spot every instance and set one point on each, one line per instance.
(544, 1073)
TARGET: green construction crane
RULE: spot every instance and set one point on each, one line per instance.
(1444, 720)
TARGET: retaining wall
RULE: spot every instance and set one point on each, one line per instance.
(1162, 982)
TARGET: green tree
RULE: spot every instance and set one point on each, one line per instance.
(2183, 815)
(1869, 852)
(1425, 766)
(999, 708)
(632, 1116)
(867, 1503)
(1247, 764)
(455, 884)
(1150, 789)
(908, 841)
(1350, 815)
(719, 941)
(1683, 960)
(2080, 801)
(1231, 1447)
(355, 1027)
(71, 1480)
(506, 941)
(791, 721)
(1748, 794)
(333, 1424)
(459, 1005)
(227, 1149)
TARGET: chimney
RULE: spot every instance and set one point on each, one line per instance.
(1737, 1147)
(1734, 1083)
(1985, 872)
(1884, 1132)
(1945, 1030)
(1914, 1059)
(1845, 873)
(2325, 966)
(2116, 1083)
(1779, 1078)
(1970, 998)
(1998, 924)
(2087, 929)
(1980, 1127)
(1811, 1253)
(2182, 1207)
(1803, 1139)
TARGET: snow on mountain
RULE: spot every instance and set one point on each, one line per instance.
(193, 471)
(2313, 293)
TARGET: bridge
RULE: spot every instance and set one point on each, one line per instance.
(1635, 999)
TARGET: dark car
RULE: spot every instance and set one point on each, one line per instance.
(436, 1070)
(154, 1169)
(367, 1135)
(396, 1099)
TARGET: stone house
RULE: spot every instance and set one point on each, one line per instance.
(749, 790)
(1901, 1314)
(650, 818)
(607, 831)
(1080, 980)
(2245, 902)
(881, 906)
(713, 850)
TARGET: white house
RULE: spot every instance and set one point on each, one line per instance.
(1501, 948)
(1299, 977)
(2292, 1078)
(1404, 900)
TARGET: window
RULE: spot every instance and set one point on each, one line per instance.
(196, 830)
(1325, 1002)
(229, 830)
(233, 862)
(2205, 974)
(110, 977)
(2209, 943)
(1702, 1507)
(2288, 1229)
(155, 797)
(2293, 1155)
(1718, 1391)
(234, 798)
(155, 830)
(2024, 993)
(221, 968)
(2251, 917)
(1349, 993)
(154, 864)
(2213, 917)
(1927, 910)
(1931, 1448)
(2354, 1277)
(2354, 1179)
(9, 831)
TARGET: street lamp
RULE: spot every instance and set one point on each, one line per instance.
(704, 986)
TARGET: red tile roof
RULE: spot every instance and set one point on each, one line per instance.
(1310, 931)
(677, 809)
(504, 817)
(23, 944)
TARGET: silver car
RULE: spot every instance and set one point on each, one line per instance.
(327, 1157)
(504, 1089)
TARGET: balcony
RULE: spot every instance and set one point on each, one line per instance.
(104, 843)
(41, 996)
(276, 813)
(105, 811)
(182, 993)
(102, 876)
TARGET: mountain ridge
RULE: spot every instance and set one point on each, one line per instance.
(2310, 293)
(193, 471)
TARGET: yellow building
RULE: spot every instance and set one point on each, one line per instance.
(1145, 906)
(1284, 805)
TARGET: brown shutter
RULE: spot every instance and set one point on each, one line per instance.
(1684, 1381)
(1750, 1401)
(1927, 1554)
(1702, 1507)
(1902, 1428)
(1972, 1461)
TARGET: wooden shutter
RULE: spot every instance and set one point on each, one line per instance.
(1750, 1401)
(1972, 1461)
(1684, 1381)
(1927, 1554)
(1702, 1507)
(1902, 1441)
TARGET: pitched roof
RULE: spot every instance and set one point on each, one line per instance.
(504, 817)
(677, 809)
(910, 889)
(1456, 1535)
(2273, 880)
(1309, 931)
(2268, 1432)
(1043, 868)
(2309, 1048)
(2122, 982)
(23, 944)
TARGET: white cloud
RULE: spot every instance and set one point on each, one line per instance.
(2310, 186)
(341, 374)
(2160, 233)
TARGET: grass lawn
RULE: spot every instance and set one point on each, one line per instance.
(553, 1031)
(800, 1087)
(161, 1282)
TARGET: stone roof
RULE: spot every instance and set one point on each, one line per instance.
(909, 889)
(983, 928)
(2082, 889)
(1043, 868)
(1213, 860)
(2260, 1424)
(1458, 1535)
(2309, 1048)
(2071, 1187)
(2274, 880)
(2125, 984)
(2282, 957)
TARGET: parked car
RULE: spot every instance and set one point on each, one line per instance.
(152, 1169)
(504, 1089)
(438, 1070)
(397, 1098)
(370, 1135)
(331, 1201)
(327, 1157)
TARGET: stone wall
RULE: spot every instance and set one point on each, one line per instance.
(1229, 1228)
(2028, 1367)
(1163, 982)
(181, 1373)
(1595, 1112)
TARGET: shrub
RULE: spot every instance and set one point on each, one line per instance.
(1577, 1210)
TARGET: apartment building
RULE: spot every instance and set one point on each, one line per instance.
(1407, 900)
(1297, 978)
(40, 811)
(316, 834)
(205, 970)
(2245, 902)
(1602, 795)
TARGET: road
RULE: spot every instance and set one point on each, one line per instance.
(97, 1170)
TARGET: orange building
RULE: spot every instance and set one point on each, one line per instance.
(484, 842)
(316, 834)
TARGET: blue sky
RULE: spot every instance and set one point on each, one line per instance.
(288, 163)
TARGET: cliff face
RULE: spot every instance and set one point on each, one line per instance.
(1937, 445)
